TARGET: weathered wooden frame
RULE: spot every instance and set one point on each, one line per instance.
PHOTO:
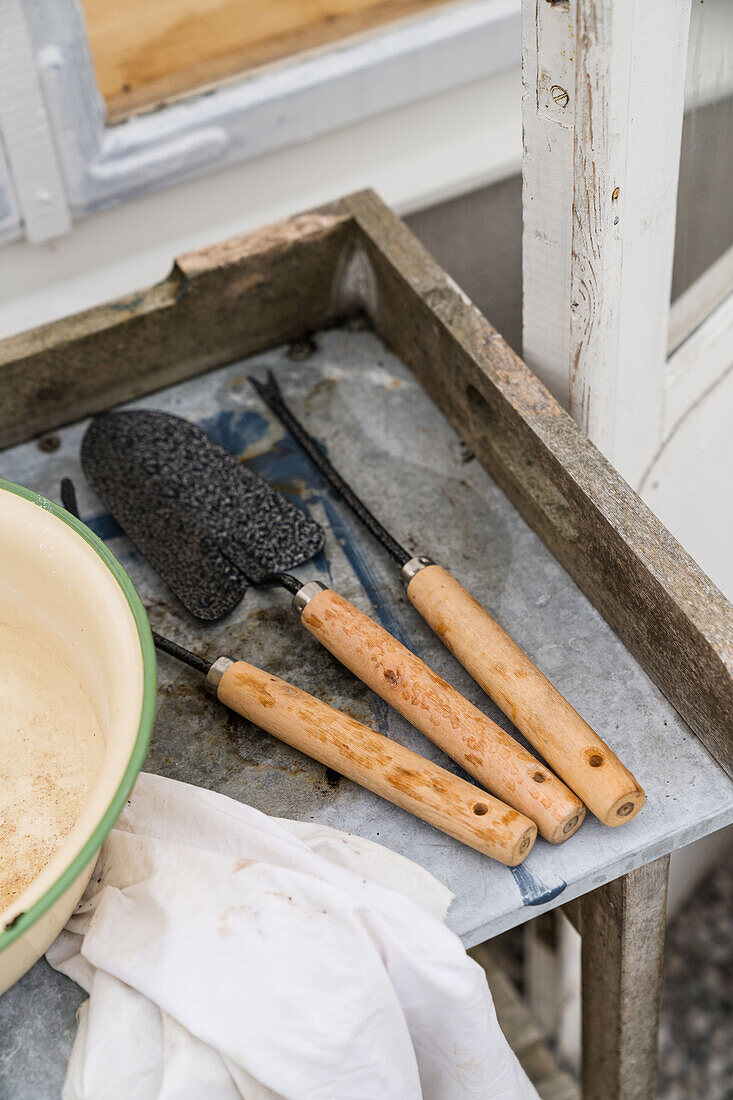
(306, 273)
(602, 134)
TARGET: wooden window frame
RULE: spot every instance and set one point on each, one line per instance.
(280, 105)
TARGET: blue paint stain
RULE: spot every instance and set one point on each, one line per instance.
(105, 526)
(286, 468)
(368, 575)
(235, 431)
(289, 470)
(533, 890)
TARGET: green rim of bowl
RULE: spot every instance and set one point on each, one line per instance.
(23, 921)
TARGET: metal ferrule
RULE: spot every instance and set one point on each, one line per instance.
(305, 595)
(215, 673)
(413, 566)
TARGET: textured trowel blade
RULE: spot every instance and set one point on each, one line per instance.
(205, 522)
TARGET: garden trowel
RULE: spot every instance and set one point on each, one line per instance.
(210, 527)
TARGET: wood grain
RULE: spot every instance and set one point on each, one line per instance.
(600, 172)
(150, 51)
(217, 304)
(596, 196)
(382, 766)
(622, 926)
(430, 704)
(533, 704)
(547, 173)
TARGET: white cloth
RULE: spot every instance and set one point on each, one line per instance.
(228, 954)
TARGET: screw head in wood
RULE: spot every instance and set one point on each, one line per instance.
(559, 95)
(300, 350)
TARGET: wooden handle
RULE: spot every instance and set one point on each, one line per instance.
(442, 714)
(534, 705)
(383, 766)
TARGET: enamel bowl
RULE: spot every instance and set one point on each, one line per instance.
(77, 700)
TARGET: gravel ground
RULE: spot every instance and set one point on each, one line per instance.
(696, 1056)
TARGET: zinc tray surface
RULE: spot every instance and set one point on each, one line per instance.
(406, 461)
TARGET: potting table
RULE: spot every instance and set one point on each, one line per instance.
(386, 435)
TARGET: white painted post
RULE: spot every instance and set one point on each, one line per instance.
(601, 161)
(603, 98)
(548, 109)
(602, 64)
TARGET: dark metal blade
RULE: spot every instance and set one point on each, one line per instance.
(206, 523)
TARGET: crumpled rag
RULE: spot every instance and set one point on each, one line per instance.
(229, 954)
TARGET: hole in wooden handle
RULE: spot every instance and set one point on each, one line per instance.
(539, 777)
(625, 810)
(596, 760)
(480, 808)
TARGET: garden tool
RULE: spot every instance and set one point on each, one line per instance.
(503, 670)
(333, 738)
(210, 526)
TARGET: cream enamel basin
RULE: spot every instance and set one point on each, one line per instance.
(68, 600)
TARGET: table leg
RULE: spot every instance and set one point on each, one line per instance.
(623, 927)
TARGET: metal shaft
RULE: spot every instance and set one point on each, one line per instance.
(272, 396)
(181, 654)
(278, 580)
